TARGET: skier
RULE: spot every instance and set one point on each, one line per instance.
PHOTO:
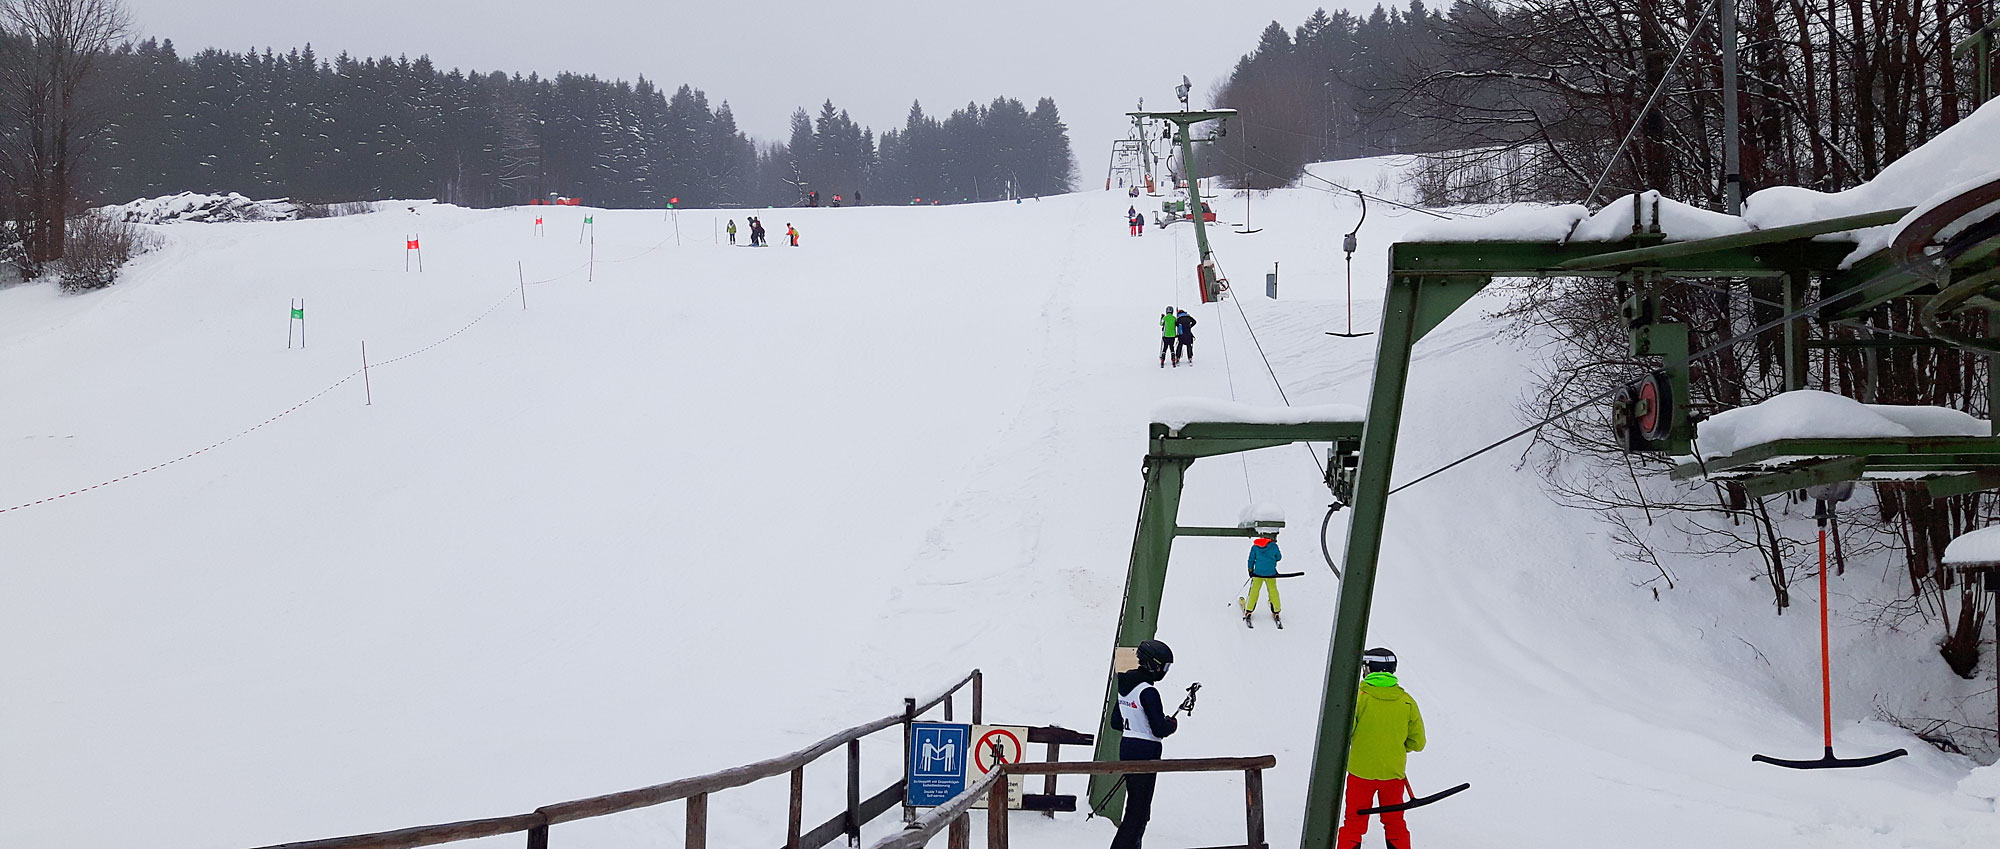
(1133, 221)
(1264, 557)
(792, 233)
(1387, 727)
(756, 233)
(812, 198)
(1144, 720)
(1184, 341)
(732, 231)
(1167, 331)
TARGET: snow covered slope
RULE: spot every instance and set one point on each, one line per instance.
(713, 503)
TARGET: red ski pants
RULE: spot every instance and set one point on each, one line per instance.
(1369, 793)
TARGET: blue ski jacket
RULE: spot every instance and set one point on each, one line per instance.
(1264, 557)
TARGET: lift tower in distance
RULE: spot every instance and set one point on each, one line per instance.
(1183, 122)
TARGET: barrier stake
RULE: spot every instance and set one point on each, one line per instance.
(365, 387)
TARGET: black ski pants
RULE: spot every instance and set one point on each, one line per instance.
(1138, 792)
(1184, 345)
(1167, 346)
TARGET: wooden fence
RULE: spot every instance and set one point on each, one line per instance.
(954, 817)
(696, 791)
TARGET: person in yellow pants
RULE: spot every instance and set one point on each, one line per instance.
(1264, 557)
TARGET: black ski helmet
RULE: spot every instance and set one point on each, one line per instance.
(1379, 660)
(1154, 656)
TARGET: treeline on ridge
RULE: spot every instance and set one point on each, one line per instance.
(293, 124)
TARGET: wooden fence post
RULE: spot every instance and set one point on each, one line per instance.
(996, 813)
(697, 831)
(1049, 781)
(960, 836)
(1253, 807)
(978, 697)
(854, 792)
(909, 721)
(538, 836)
(798, 808)
(948, 699)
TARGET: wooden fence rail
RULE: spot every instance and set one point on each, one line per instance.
(953, 815)
(856, 811)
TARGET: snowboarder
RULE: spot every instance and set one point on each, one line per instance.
(732, 231)
(1387, 727)
(1168, 329)
(1144, 720)
(792, 233)
(1184, 341)
(1264, 557)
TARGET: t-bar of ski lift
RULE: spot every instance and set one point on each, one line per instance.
(1824, 497)
(1348, 244)
(1415, 801)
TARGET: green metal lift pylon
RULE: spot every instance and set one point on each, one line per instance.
(1205, 271)
(1169, 453)
(1429, 281)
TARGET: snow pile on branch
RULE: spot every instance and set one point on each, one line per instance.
(1812, 414)
(190, 207)
(1177, 413)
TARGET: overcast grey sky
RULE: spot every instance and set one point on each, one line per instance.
(767, 57)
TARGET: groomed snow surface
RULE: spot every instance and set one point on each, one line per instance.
(719, 502)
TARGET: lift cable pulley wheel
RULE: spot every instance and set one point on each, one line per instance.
(1348, 244)
(1824, 497)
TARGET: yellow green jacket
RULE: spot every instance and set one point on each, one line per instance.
(1387, 727)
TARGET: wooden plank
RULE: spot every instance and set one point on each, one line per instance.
(961, 833)
(873, 807)
(996, 815)
(697, 830)
(1120, 767)
(1060, 736)
(425, 835)
(1049, 804)
(798, 809)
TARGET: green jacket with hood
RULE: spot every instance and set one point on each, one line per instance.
(1387, 727)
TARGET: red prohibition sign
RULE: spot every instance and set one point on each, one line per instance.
(986, 741)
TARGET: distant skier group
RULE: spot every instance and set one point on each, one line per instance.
(757, 237)
(1136, 220)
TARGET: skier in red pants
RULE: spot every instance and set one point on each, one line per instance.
(1387, 727)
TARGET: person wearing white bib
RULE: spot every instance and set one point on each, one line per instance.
(1145, 723)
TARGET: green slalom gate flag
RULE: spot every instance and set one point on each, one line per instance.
(299, 313)
(590, 219)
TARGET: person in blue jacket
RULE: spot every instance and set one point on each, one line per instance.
(1264, 557)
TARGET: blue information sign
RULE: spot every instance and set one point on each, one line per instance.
(938, 755)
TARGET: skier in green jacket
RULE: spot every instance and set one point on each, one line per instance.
(1168, 330)
(1387, 727)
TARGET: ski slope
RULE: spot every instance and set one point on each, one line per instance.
(698, 505)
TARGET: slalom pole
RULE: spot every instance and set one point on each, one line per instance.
(370, 390)
(523, 276)
(302, 324)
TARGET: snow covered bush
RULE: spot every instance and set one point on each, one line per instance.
(97, 249)
(194, 208)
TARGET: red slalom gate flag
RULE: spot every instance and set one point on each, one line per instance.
(538, 221)
(411, 246)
